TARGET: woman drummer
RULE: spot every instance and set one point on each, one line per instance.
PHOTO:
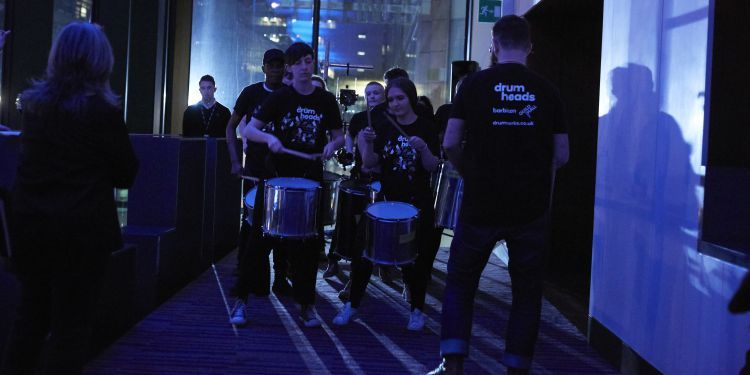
(404, 148)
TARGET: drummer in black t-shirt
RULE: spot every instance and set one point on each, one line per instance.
(301, 113)
(253, 270)
(375, 99)
(406, 161)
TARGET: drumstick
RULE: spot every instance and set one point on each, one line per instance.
(301, 154)
(254, 179)
(400, 130)
(369, 117)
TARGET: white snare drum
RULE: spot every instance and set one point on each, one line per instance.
(391, 233)
(250, 204)
(448, 195)
(291, 207)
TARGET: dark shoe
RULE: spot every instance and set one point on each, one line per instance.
(332, 270)
(308, 317)
(281, 287)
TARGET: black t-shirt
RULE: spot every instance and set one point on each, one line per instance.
(256, 153)
(199, 121)
(510, 116)
(441, 117)
(300, 123)
(403, 177)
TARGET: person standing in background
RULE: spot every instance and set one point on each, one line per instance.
(207, 117)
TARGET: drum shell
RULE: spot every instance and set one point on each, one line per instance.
(391, 241)
(448, 196)
(290, 211)
(330, 192)
(249, 201)
(353, 198)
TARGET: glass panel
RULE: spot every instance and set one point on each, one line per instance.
(420, 36)
(229, 38)
(67, 11)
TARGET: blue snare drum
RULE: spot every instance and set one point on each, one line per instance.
(291, 207)
(391, 233)
(449, 191)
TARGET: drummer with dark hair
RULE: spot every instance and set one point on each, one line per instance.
(404, 147)
(302, 114)
(375, 101)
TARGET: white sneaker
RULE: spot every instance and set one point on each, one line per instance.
(345, 315)
(308, 317)
(238, 316)
(416, 321)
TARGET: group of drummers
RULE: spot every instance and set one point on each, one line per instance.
(385, 212)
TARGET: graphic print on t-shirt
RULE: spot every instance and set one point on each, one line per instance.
(268, 128)
(510, 97)
(400, 157)
(301, 127)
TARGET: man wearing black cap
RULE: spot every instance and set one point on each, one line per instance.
(253, 277)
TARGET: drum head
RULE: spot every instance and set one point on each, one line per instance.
(293, 183)
(392, 210)
(250, 197)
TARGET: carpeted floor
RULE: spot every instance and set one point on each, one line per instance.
(190, 333)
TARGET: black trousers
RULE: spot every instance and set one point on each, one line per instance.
(60, 265)
(254, 271)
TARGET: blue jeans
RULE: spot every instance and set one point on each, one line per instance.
(472, 245)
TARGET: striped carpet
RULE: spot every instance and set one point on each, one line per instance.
(190, 333)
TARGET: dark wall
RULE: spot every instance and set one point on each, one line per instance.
(25, 53)
(726, 212)
(566, 37)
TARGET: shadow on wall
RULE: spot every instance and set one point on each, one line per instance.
(646, 203)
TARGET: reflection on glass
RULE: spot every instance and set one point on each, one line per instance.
(67, 11)
(372, 37)
(421, 36)
(229, 38)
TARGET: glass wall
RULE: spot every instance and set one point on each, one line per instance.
(421, 36)
(229, 38)
(67, 11)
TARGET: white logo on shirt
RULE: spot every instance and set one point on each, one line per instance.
(514, 93)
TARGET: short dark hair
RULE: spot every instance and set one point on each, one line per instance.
(297, 51)
(374, 83)
(407, 86)
(394, 73)
(207, 78)
(512, 32)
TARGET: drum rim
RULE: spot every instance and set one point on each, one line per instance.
(269, 183)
